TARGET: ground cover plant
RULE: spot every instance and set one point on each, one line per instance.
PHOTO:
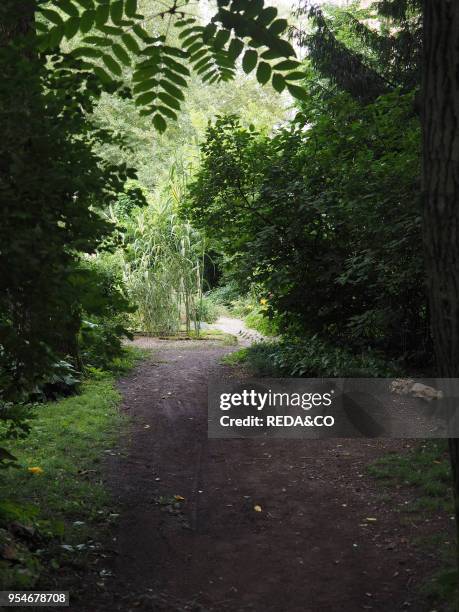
(54, 507)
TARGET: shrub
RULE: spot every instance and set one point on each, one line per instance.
(208, 309)
(258, 319)
(312, 357)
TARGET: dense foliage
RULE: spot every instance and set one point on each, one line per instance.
(325, 217)
(60, 310)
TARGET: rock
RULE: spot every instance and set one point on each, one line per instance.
(408, 386)
(425, 392)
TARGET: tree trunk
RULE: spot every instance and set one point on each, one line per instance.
(441, 189)
(16, 19)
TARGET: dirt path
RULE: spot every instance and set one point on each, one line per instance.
(237, 327)
(311, 548)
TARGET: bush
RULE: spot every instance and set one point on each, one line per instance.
(313, 357)
(208, 309)
(226, 294)
(105, 312)
(258, 319)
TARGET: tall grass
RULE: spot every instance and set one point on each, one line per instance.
(163, 264)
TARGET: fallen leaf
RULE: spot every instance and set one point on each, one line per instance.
(257, 508)
(179, 498)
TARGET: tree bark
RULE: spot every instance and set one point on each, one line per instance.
(16, 19)
(441, 189)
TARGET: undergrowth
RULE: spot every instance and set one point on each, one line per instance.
(54, 504)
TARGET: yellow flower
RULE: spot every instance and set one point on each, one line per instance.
(263, 301)
(35, 470)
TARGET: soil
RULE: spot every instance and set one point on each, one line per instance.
(189, 537)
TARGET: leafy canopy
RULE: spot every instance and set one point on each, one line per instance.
(113, 41)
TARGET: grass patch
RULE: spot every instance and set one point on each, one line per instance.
(55, 505)
(204, 334)
(426, 470)
(219, 336)
(237, 358)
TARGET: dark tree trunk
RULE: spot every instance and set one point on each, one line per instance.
(16, 19)
(441, 188)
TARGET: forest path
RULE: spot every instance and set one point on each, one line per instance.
(311, 549)
(237, 327)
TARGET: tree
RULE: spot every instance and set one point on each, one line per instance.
(441, 189)
(53, 184)
(116, 41)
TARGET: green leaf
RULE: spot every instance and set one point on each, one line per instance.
(102, 74)
(207, 78)
(52, 16)
(175, 51)
(168, 112)
(102, 13)
(111, 30)
(204, 64)
(130, 8)
(196, 47)
(69, 8)
(194, 39)
(141, 33)
(176, 66)
(295, 76)
(121, 54)
(177, 79)
(145, 86)
(145, 98)
(147, 111)
(287, 65)
(160, 123)
(130, 43)
(263, 72)
(172, 89)
(281, 46)
(87, 52)
(249, 61)
(188, 31)
(221, 39)
(278, 82)
(86, 4)
(235, 48)
(55, 36)
(196, 56)
(112, 64)
(145, 73)
(267, 15)
(209, 32)
(100, 41)
(71, 27)
(169, 100)
(298, 92)
(87, 21)
(271, 54)
(116, 10)
(252, 8)
(181, 23)
(278, 26)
